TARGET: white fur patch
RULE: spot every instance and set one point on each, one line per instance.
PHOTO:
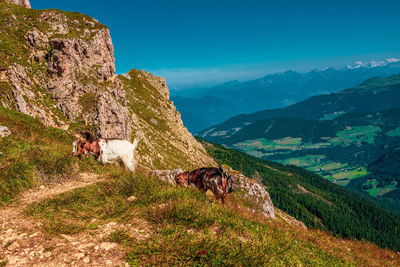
(112, 150)
(74, 146)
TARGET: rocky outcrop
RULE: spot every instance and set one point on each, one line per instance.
(24, 3)
(254, 192)
(69, 78)
(157, 82)
(78, 68)
(4, 131)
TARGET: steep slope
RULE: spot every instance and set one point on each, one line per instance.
(277, 91)
(103, 215)
(165, 141)
(315, 201)
(383, 178)
(59, 67)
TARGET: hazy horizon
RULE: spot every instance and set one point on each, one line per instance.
(208, 78)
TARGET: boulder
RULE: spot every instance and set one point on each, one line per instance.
(4, 131)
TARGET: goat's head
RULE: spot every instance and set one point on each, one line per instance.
(80, 147)
(182, 178)
(226, 180)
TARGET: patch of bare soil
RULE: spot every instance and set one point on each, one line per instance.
(23, 243)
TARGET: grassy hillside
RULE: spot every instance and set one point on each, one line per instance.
(165, 142)
(59, 67)
(164, 223)
(316, 201)
(32, 154)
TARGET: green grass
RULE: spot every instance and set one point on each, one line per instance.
(14, 45)
(259, 147)
(186, 228)
(394, 132)
(337, 172)
(356, 134)
(371, 186)
(269, 145)
(34, 154)
(333, 166)
(305, 161)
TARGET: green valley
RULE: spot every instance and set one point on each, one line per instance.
(330, 137)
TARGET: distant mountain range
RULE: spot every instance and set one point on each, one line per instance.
(214, 105)
(351, 137)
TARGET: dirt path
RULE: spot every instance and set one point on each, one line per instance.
(22, 243)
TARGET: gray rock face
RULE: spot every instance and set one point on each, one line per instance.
(37, 39)
(70, 63)
(24, 3)
(254, 192)
(70, 56)
(79, 74)
(112, 118)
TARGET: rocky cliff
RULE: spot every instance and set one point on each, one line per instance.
(24, 3)
(59, 67)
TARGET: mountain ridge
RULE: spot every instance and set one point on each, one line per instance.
(279, 90)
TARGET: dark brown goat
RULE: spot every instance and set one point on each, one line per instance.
(211, 178)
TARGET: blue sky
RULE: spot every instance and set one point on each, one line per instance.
(202, 42)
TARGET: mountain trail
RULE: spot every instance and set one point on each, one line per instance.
(23, 241)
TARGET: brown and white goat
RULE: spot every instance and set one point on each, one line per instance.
(107, 150)
(211, 178)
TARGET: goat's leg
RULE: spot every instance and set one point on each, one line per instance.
(129, 161)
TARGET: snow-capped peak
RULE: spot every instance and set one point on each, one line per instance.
(392, 60)
(373, 63)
